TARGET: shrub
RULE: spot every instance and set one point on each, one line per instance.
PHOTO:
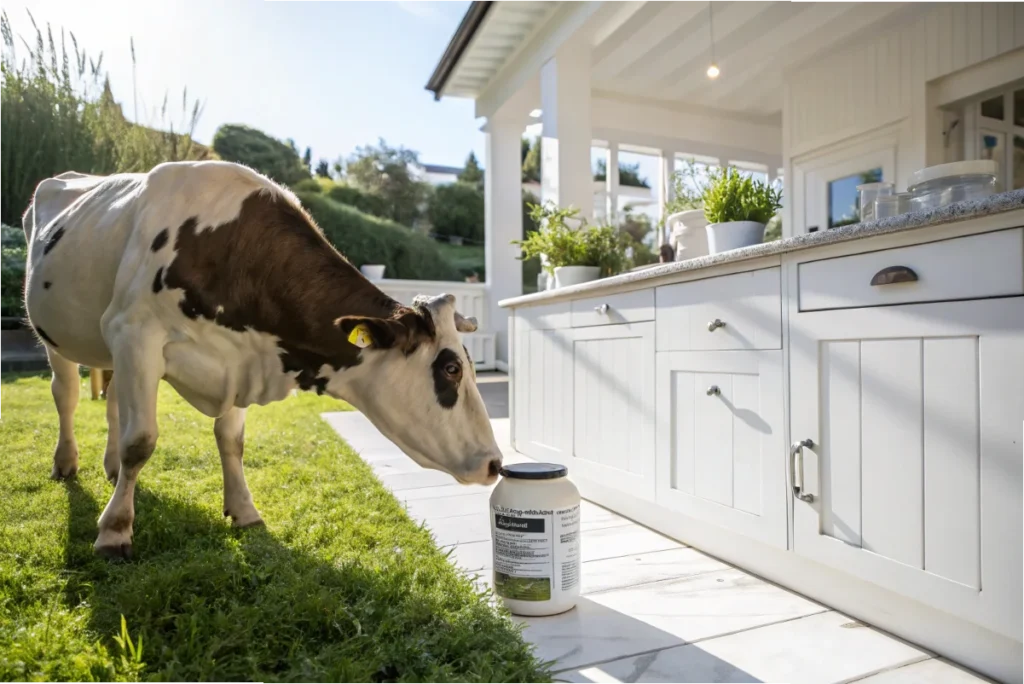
(729, 196)
(308, 185)
(363, 201)
(257, 150)
(13, 253)
(365, 239)
(457, 210)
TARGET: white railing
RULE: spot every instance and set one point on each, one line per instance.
(470, 301)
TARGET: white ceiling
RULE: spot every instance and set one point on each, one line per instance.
(660, 51)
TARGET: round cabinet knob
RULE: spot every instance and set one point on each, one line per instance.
(715, 325)
(713, 391)
(602, 309)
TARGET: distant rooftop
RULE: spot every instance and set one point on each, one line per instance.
(437, 168)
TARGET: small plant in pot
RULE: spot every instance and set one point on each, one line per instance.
(573, 254)
(737, 208)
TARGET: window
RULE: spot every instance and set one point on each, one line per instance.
(994, 129)
(844, 200)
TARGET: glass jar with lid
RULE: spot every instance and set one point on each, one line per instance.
(938, 186)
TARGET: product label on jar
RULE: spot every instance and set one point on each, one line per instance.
(536, 552)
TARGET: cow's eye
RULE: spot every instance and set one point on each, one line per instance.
(452, 369)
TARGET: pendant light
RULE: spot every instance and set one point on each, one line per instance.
(713, 70)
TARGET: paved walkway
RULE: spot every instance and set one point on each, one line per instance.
(654, 610)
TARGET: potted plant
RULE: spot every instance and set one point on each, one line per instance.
(373, 272)
(572, 254)
(684, 214)
(737, 209)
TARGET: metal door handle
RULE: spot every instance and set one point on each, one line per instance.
(796, 460)
(602, 309)
(715, 325)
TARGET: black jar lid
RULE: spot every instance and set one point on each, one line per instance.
(534, 471)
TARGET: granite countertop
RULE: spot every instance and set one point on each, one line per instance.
(961, 211)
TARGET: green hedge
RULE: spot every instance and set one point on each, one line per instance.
(13, 253)
(363, 201)
(365, 239)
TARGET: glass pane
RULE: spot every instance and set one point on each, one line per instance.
(991, 145)
(1018, 162)
(844, 200)
(993, 108)
(1018, 108)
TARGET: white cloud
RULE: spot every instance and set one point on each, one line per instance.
(422, 10)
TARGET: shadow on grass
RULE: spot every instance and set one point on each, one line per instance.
(216, 603)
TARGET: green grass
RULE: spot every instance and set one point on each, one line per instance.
(340, 586)
(465, 258)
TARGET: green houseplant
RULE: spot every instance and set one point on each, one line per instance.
(737, 208)
(572, 250)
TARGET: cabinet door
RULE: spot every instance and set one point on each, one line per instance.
(542, 373)
(721, 447)
(613, 406)
(915, 414)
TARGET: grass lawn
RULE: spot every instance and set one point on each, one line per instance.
(341, 586)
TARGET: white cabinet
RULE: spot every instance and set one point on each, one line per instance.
(613, 406)
(721, 442)
(542, 399)
(914, 414)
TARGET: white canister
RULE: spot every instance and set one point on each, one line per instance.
(535, 528)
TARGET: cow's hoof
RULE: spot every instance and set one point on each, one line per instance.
(258, 522)
(115, 552)
(63, 473)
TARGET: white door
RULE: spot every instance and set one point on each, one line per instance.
(721, 444)
(542, 373)
(613, 407)
(914, 415)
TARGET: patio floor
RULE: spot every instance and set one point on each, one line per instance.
(653, 610)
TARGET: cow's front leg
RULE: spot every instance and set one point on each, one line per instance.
(229, 430)
(138, 367)
(65, 387)
(111, 458)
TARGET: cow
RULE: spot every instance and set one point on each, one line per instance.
(212, 277)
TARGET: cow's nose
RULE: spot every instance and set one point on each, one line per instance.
(494, 467)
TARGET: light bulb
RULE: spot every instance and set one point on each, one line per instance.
(713, 72)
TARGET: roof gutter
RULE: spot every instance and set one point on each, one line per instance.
(458, 44)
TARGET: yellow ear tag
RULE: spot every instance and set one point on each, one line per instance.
(360, 336)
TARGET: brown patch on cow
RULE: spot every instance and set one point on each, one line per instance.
(138, 452)
(54, 239)
(271, 270)
(158, 281)
(46, 285)
(160, 240)
(46, 338)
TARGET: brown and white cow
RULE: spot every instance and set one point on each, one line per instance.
(212, 277)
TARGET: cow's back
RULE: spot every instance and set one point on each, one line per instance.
(77, 227)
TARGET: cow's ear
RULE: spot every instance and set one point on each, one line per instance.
(376, 333)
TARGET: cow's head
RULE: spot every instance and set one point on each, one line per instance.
(417, 384)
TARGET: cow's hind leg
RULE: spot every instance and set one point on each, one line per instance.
(229, 430)
(65, 387)
(138, 367)
(111, 459)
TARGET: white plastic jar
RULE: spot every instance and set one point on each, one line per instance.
(535, 528)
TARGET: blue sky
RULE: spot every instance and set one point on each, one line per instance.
(331, 75)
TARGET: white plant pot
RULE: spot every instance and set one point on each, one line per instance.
(566, 276)
(734, 234)
(372, 271)
(689, 238)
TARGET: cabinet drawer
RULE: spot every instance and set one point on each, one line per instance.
(973, 267)
(628, 307)
(548, 317)
(746, 306)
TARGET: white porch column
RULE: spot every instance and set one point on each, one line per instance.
(667, 167)
(566, 176)
(503, 222)
(612, 183)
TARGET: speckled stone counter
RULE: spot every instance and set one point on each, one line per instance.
(962, 211)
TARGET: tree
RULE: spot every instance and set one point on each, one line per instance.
(472, 174)
(339, 168)
(531, 163)
(307, 160)
(323, 168)
(457, 210)
(629, 174)
(256, 149)
(388, 173)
